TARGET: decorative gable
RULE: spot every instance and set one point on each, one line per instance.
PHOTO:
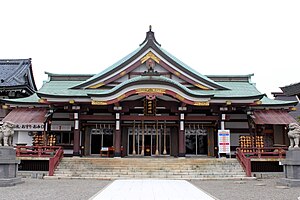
(150, 56)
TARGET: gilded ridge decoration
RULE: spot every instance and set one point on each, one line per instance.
(201, 86)
(95, 102)
(148, 56)
(123, 73)
(201, 103)
(181, 98)
(151, 90)
(96, 85)
(123, 96)
(177, 73)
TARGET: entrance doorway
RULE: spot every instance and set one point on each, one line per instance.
(196, 141)
(101, 138)
(150, 139)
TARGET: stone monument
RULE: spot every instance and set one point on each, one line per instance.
(8, 162)
(291, 163)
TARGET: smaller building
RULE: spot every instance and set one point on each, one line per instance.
(16, 81)
(295, 112)
(293, 89)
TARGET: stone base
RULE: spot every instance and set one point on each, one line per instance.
(289, 182)
(6, 182)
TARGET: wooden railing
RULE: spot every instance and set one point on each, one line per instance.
(36, 151)
(54, 161)
(244, 155)
(54, 153)
(244, 161)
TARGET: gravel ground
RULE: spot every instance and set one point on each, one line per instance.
(260, 189)
(65, 189)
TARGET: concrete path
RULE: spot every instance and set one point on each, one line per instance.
(148, 189)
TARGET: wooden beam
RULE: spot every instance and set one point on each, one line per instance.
(97, 117)
(134, 117)
(201, 118)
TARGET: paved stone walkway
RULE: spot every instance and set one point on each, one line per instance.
(148, 189)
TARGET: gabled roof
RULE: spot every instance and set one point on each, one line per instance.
(220, 88)
(65, 88)
(293, 89)
(17, 72)
(151, 44)
(281, 96)
(30, 100)
(272, 102)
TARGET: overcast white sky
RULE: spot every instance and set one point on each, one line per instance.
(213, 37)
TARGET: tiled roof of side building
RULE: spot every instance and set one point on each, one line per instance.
(32, 99)
(13, 72)
(236, 89)
(272, 102)
(293, 89)
(61, 88)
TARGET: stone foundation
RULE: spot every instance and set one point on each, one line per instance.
(8, 167)
(291, 169)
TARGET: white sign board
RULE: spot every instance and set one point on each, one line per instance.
(224, 141)
(60, 127)
(29, 127)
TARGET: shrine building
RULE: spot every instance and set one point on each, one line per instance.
(149, 103)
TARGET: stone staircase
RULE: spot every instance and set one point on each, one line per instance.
(140, 168)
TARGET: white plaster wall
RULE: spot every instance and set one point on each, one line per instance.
(175, 78)
(61, 115)
(141, 68)
(122, 79)
(238, 125)
(15, 137)
(63, 123)
(22, 137)
(237, 116)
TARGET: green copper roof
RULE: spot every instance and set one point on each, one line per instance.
(265, 101)
(189, 68)
(112, 66)
(115, 65)
(152, 78)
(33, 99)
(236, 89)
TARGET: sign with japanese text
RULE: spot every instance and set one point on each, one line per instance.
(60, 127)
(149, 107)
(29, 127)
(224, 141)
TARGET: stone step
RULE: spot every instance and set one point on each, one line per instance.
(153, 176)
(111, 168)
(149, 174)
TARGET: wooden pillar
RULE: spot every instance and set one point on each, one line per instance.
(157, 140)
(133, 139)
(117, 141)
(181, 137)
(143, 139)
(165, 138)
(76, 142)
